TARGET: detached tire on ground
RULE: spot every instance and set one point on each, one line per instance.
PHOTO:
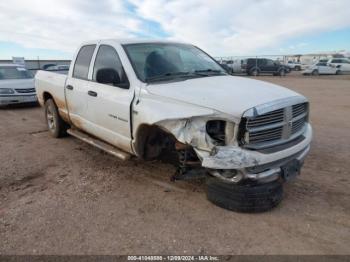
(57, 127)
(244, 198)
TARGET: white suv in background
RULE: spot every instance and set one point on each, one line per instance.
(16, 85)
(342, 63)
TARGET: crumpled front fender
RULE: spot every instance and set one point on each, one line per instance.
(190, 131)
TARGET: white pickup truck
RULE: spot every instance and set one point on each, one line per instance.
(172, 101)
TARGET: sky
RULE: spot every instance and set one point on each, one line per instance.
(53, 29)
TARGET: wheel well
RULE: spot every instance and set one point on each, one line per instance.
(152, 140)
(47, 96)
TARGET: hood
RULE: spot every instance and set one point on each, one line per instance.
(17, 83)
(228, 94)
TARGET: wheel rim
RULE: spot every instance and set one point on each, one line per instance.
(283, 73)
(255, 72)
(50, 119)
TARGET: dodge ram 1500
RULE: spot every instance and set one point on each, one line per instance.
(153, 99)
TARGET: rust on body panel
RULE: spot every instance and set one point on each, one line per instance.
(62, 109)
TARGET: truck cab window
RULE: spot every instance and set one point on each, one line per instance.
(108, 68)
(82, 63)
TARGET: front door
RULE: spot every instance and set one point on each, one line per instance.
(109, 99)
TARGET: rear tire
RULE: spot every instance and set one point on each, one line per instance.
(282, 72)
(297, 68)
(315, 73)
(57, 127)
(338, 72)
(246, 198)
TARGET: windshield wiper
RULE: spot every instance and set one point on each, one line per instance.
(166, 76)
(174, 75)
(209, 71)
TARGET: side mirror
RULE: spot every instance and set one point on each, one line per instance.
(107, 76)
(110, 76)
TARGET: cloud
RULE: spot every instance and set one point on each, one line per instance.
(222, 27)
(63, 24)
(227, 27)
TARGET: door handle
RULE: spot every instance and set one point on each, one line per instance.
(92, 93)
(69, 87)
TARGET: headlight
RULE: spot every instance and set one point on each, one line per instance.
(222, 132)
(6, 91)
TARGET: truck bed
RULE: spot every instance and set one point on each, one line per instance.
(53, 84)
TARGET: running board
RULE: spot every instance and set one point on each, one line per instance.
(99, 144)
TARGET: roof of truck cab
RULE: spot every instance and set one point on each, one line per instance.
(133, 41)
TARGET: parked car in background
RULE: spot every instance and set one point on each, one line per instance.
(159, 99)
(294, 65)
(342, 63)
(257, 66)
(61, 69)
(232, 66)
(16, 85)
(58, 68)
(322, 68)
(44, 67)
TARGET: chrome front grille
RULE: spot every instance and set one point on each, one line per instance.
(275, 127)
(265, 119)
(299, 109)
(25, 90)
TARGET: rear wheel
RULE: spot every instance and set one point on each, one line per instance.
(248, 198)
(55, 123)
(338, 72)
(297, 68)
(315, 73)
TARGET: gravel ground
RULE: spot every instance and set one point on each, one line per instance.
(61, 196)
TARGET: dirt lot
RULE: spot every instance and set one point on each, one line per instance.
(61, 196)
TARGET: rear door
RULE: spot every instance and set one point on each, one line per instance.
(77, 87)
(110, 97)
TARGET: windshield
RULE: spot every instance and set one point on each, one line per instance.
(12, 72)
(164, 61)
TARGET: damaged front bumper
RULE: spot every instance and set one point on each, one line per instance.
(255, 165)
